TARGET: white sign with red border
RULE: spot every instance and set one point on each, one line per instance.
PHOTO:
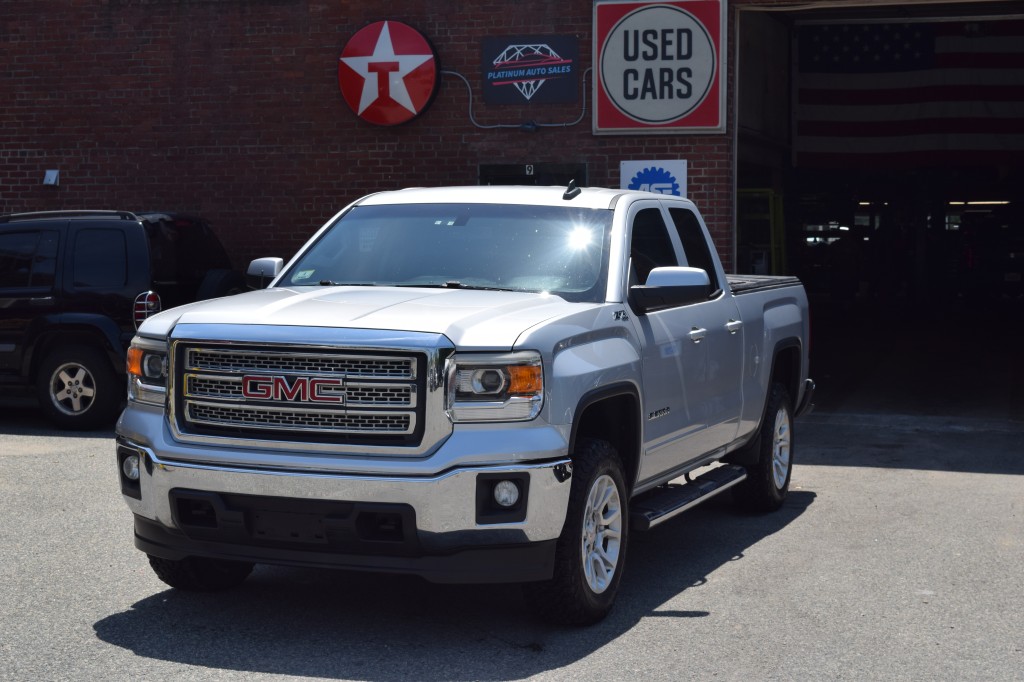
(660, 67)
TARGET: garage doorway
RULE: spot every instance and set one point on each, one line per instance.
(904, 126)
(891, 141)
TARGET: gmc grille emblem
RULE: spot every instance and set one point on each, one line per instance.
(298, 389)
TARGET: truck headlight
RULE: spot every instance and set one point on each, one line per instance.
(147, 371)
(486, 387)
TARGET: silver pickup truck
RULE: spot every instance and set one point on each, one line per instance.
(473, 384)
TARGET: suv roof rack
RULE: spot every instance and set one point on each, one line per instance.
(39, 215)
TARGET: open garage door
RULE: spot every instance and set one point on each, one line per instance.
(908, 152)
(901, 171)
(885, 137)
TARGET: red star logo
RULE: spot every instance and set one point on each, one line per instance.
(387, 73)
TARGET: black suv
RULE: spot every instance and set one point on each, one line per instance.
(74, 287)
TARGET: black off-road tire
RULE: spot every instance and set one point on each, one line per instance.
(77, 388)
(767, 482)
(200, 574)
(571, 597)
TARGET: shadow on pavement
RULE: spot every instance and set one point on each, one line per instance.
(911, 442)
(300, 622)
(27, 420)
(903, 385)
(951, 357)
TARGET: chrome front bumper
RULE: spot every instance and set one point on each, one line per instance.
(441, 536)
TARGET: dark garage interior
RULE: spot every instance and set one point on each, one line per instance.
(889, 178)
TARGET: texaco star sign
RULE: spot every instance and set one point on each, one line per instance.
(388, 73)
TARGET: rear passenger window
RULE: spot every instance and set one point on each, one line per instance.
(695, 246)
(28, 259)
(101, 258)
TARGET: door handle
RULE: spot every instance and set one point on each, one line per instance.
(733, 326)
(697, 334)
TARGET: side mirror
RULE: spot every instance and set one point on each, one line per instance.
(669, 288)
(262, 270)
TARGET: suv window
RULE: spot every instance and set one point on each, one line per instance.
(28, 259)
(182, 248)
(101, 258)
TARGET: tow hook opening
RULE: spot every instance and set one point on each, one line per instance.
(380, 527)
(197, 513)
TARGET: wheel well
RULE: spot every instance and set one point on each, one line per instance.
(786, 370)
(613, 419)
(48, 343)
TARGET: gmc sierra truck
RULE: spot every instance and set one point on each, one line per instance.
(472, 384)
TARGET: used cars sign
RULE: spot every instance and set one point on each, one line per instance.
(660, 67)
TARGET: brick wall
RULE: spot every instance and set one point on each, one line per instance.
(230, 109)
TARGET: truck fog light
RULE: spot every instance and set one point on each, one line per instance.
(130, 467)
(506, 493)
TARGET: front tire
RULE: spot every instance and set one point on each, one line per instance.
(200, 574)
(591, 550)
(768, 477)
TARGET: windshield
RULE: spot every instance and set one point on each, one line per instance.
(515, 248)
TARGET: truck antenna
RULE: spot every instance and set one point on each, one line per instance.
(572, 191)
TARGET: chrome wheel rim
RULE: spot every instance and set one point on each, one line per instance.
(602, 534)
(72, 389)
(781, 446)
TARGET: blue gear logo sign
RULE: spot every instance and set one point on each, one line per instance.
(657, 180)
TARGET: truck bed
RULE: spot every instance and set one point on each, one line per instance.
(745, 284)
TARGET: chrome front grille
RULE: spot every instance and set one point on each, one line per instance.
(359, 394)
(316, 421)
(238, 361)
(299, 394)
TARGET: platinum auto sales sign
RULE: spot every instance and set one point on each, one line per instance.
(660, 67)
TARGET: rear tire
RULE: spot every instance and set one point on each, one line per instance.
(78, 389)
(200, 574)
(768, 477)
(591, 550)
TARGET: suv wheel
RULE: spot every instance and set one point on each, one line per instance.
(77, 388)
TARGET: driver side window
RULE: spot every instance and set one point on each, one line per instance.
(695, 246)
(650, 245)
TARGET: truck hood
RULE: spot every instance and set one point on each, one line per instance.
(484, 319)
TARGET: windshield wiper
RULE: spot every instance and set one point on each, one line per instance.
(452, 284)
(332, 283)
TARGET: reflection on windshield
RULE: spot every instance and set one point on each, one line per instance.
(517, 248)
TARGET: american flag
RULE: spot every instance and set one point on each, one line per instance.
(909, 94)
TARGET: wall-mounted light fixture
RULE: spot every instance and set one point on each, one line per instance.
(51, 177)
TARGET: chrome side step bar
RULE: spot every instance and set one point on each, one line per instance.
(663, 503)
